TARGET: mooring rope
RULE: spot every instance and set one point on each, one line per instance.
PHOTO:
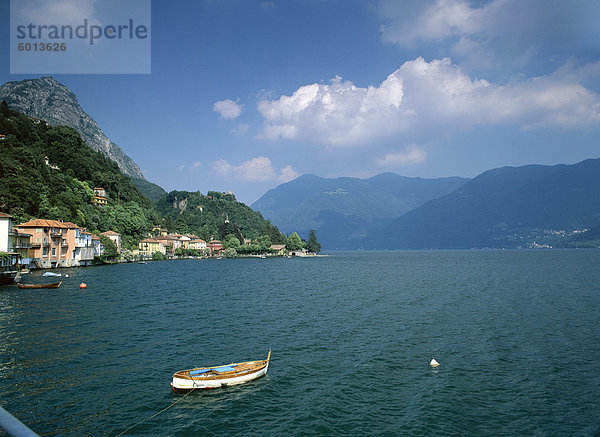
(161, 411)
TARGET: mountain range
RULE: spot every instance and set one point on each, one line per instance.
(345, 210)
(49, 100)
(503, 207)
(529, 206)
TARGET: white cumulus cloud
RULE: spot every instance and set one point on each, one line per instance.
(228, 109)
(257, 169)
(424, 99)
(338, 113)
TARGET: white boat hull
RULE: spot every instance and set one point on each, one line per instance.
(207, 381)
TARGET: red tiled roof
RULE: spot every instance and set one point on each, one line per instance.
(109, 233)
(2, 214)
(150, 240)
(42, 223)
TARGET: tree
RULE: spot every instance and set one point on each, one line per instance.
(181, 225)
(229, 228)
(4, 108)
(230, 253)
(159, 256)
(294, 242)
(313, 245)
(264, 242)
(273, 233)
(231, 242)
(110, 249)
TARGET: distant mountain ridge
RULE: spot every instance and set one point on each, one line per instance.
(508, 207)
(48, 99)
(504, 207)
(345, 210)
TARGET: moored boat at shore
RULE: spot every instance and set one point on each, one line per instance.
(7, 278)
(52, 285)
(219, 376)
(52, 274)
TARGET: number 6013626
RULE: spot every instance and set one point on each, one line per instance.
(41, 47)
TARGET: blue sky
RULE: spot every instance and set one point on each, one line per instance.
(245, 95)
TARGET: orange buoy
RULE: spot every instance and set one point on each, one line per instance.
(83, 285)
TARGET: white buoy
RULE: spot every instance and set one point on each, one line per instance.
(434, 363)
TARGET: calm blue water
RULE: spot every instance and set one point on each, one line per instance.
(517, 334)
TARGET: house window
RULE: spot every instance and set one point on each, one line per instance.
(53, 252)
(45, 254)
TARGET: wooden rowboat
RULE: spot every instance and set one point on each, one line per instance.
(219, 376)
(53, 285)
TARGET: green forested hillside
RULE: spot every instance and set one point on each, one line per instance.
(152, 191)
(205, 214)
(49, 172)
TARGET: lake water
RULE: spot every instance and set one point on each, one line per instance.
(517, 335)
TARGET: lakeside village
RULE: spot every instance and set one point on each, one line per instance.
(48, 244)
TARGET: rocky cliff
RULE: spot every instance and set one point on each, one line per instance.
(48, 99)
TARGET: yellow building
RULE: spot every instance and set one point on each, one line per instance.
(149, 246)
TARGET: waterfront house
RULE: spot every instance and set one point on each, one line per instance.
(5, 230)
(13, 246)
(149, 246)
(180, 240)
(52, 242)
(169, 242)
(215, 246)
(197, 244)
(83, 253)
(97, 245)
(278, 248)
(115, 237)
(185, 241)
